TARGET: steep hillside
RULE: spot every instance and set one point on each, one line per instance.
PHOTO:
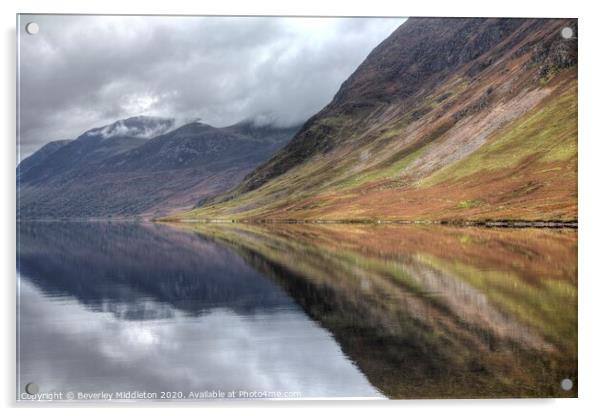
(446, 119)
(141, 167)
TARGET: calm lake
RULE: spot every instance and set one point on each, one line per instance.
(126, 310)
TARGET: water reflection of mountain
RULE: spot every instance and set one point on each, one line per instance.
(457, 313)
(422, 311)
(141, 271)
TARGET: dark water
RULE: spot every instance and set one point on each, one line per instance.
(295, 311)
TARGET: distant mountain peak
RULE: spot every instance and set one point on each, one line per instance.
(140, 166)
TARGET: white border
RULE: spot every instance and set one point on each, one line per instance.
(590, 155)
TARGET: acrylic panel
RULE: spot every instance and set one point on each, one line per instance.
(220, 207)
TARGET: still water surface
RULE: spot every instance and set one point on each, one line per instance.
(296, 310)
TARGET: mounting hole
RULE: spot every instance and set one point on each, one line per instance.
(32, 388)
(566, 32)
(32, 28)
(566, 384)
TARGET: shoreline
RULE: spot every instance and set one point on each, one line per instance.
(500, 223)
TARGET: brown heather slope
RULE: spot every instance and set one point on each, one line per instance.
(465, 119)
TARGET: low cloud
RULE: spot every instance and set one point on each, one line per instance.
(141, 127)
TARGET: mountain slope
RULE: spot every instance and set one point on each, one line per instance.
(38, 158)
(446, 119)
(142, 166)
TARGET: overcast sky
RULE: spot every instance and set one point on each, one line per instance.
(81, 72)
